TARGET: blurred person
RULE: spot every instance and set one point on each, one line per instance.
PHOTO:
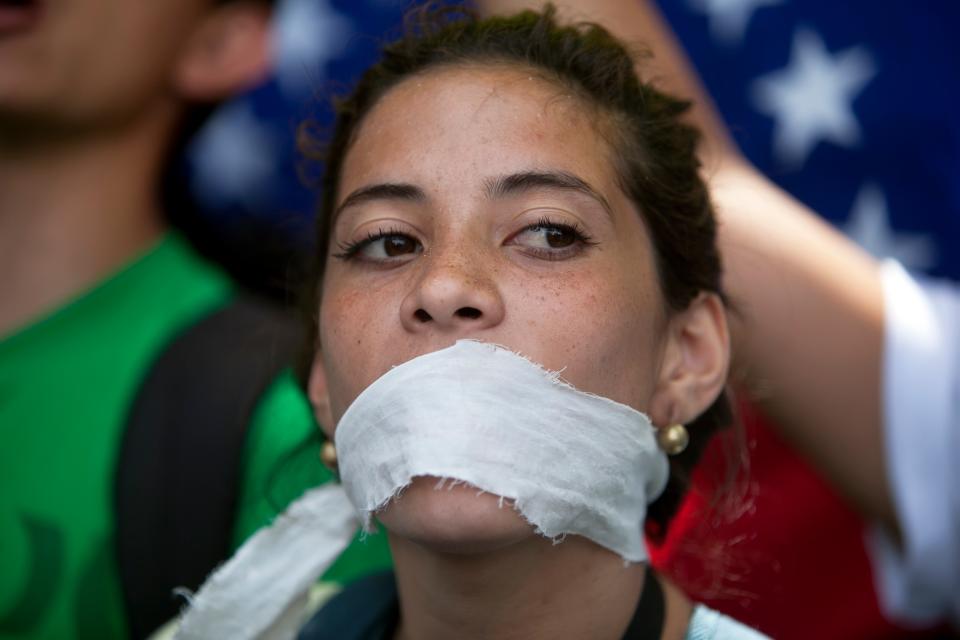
(855, 361)
(99, 294)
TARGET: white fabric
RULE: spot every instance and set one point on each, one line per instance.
(919, 582)
(570, 462)
(261, 592)
(707, 624)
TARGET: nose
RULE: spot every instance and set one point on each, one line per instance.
(453, 294)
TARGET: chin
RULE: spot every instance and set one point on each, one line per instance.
(454, 519)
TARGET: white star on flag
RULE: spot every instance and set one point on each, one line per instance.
(233, 157)
(729, 19)
(308, 34)
(812, 98)
(869, 226)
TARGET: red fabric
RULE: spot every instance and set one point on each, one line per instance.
(775, 548)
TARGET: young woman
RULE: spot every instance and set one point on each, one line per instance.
(511, 181)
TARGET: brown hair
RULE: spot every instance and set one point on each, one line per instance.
(654, 156)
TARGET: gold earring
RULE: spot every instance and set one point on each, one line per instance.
(673, 439)
(328, 455)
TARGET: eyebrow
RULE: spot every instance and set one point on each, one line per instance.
(499, 187)
(383, 191)
(515, 183)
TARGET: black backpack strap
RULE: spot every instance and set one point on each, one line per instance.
(178, 471)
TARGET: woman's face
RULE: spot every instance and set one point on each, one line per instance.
(481, 202)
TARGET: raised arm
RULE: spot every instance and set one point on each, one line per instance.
(808, 334)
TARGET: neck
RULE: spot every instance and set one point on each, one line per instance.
(533, 589)
(73, 212)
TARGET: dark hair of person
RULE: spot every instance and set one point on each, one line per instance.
(654, 155)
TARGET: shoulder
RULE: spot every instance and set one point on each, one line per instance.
(707, 624)
(174, 277)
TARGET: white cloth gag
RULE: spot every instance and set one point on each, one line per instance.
(570, 462)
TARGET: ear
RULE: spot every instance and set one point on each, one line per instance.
(229, 51)
(320, 396)
(695, 363)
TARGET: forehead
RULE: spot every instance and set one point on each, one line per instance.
(456, 126)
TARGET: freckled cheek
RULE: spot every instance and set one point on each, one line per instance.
(634, 349)
(352, 322)
(341, 313)
(598, 326)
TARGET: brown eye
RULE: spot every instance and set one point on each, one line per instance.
(384, 247)
(397, 245)
(552, 240)
(559, 237)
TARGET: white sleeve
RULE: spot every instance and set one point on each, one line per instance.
(918, 581)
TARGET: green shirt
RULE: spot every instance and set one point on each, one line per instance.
(66, 384)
